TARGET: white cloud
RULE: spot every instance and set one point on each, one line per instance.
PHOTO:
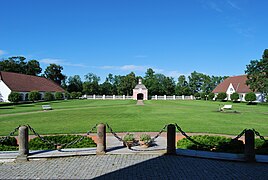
(233, 5)
(2, 52)
(126, 68)
(60, 62)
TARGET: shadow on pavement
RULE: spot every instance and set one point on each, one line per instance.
(178, 167)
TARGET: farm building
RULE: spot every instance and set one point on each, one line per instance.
(24, 84)
(140, 92)
(236, 84)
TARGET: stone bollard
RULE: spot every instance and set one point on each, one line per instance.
(101, 141)
(23, 144)
(250, 146)
(171, 139)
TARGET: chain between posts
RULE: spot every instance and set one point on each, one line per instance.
(58, 144)
(151, 141)
(10, 134)
(189, 137)
(258, 134)
(240, 135)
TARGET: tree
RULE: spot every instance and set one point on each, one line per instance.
(91, 85)
(14, 97)
(53, 72)
(75, 84)
(182, 87)
(34, 96)
(48, 96)
(127, 84)
(234, 96)
(151, 83)
(257, 73)
(17, 64)
(250, 97)
(211, 96)
(14, 64)
(33, 68)
(221, 96)
(58, 95)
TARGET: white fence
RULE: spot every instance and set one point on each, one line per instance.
(124, 97)
(103, 97)
(156, 97)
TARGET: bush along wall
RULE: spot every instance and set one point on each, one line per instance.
(212, 143)
(9, 144)
(38, 144)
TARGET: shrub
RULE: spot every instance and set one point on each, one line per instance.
(48, 96)
(34, 96)
(67, 95)
(211, 96)
(58, 95)
(79, 94)
(9, 144)
(145, 137)
(261, 147)
(129, 137)
(197, 96)
(234, 96)
(221, 96)
(38, 144)
(14, 97)
(73, 95)
(251, 96)
(212, 143)
(203, 96)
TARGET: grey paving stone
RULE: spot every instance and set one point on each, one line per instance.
(132, 167)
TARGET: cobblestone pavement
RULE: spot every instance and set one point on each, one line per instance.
(132, 167)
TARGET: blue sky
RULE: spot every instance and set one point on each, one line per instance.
(174, 37)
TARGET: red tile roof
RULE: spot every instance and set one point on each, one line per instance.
(26, 83)
(238, 82)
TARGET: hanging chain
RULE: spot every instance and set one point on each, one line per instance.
(240, 135)
(10, 134)
(190, 138)
(115, 135)
(60, 146)
(258, 134)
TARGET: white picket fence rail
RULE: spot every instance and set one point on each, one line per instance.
(124, 97)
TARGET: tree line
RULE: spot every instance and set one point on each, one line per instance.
(196, 83)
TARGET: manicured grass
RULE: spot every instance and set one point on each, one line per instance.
(78, 116)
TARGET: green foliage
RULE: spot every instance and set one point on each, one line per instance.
(145, 137)
(53, 72)
(38, 144)
(197, 96)
(203, 96)
(250, 97)
(67, 95)
(74, 95)
(129, 137)
(9, 144)
(34, 96)
(48, 96)
(212, 143)
(14, 97)
(17, 64)
(211, 96)
(234, 96)
(261, 147)
(58, 95)
(257, 74)
(221, 96)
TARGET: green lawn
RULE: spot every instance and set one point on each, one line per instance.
(78, 116)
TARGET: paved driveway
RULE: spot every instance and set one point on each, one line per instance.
(132, 167)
